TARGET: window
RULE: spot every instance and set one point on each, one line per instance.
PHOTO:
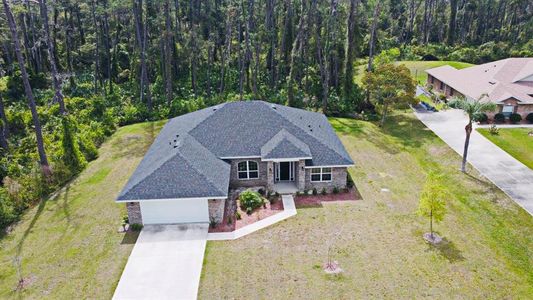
(321, 174)
(247, 170)
(442, 85)
(432, 79)
(507, 110)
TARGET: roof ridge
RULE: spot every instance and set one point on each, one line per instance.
(320, 142)
(140, 180)
(195, 168)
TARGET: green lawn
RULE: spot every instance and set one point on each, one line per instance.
(488, 249)
(417, 68)
(514, 141)
(70, 248)
(69, 245)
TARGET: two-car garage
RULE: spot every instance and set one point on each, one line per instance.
(173, 211)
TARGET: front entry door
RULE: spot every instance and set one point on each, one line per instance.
(284, 168)
(285, 171)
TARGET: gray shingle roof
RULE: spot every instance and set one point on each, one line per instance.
(185, 160)
(285, 145)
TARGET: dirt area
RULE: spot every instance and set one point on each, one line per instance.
(316, 200)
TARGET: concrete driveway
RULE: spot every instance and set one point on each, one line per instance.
(510, 175)
(165, 263)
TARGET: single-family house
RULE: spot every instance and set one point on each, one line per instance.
(198, 157)
(507, 82)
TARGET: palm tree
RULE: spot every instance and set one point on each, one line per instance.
(474, 108)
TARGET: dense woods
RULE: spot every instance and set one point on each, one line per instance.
(71, 71)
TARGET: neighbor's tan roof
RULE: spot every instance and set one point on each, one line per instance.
(500, 80)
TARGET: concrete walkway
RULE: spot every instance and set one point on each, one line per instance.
(165, 263)
(510, 175)
(289, 210)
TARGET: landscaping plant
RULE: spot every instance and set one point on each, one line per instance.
(250, 200)
(473, 109)
(515, 118)
(432, 204)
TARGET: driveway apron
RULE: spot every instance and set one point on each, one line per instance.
(165, 263)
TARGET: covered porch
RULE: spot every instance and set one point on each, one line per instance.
(287, 176)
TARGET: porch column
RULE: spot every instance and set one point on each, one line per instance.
(300, 172)
(270, 175)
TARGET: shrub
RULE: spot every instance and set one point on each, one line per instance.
(250, 200)
(136, 227)
(237, 215)
(323, 192)
(261, 191)
(529, 118)
(315, 192)
(212, 223)
(481, 118)
(493, 129)
(335, 190)
(349, 180)
(248, 210)
(499, 118)
(515, 118)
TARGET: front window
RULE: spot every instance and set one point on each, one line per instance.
(321, 174)
(248, 170)
(507, 110)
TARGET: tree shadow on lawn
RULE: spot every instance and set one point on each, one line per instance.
(448, 250)
(132, 145)
(408, 130)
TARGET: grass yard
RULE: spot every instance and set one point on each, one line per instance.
(69, 245)
(487, 253)
(514, 141)
(70, 248)
(417, 68)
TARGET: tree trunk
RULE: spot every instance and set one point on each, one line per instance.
(384, 115)
(272, 35)
(226, 56)
(452, 20)
(107, 45)
(68, 45)
(141, 33)
(97, 48)
(468, 129)
(27, 88)
(168, 53)
(4, 126)
(373, 33)
(80, 26)
(56, 80)
(348, 87)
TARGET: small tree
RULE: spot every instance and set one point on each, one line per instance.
(473, 109)
(390, 85)
(432, 204)
(72, 155)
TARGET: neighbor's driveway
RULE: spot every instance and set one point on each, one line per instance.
(510, 175)
(165, 263)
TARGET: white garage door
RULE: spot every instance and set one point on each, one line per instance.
(175, 211)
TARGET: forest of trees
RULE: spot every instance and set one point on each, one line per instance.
(72, 71)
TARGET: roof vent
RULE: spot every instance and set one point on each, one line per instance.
(492, 82)
(215, 108)
(273, 106)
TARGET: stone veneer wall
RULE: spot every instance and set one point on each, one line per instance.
(235, 182)
(338, 179)
(216, 209)
(300, 175)
(134, 212)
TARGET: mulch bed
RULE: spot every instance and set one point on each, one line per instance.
(313, 201)
(257, 214)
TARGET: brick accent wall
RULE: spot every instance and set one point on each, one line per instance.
(447, 90)
(216, 209)
(338, 179)
(235, 182)
(134, 212)
(300, 175)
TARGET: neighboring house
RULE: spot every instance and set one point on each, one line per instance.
(507, 82)
(186, 174)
